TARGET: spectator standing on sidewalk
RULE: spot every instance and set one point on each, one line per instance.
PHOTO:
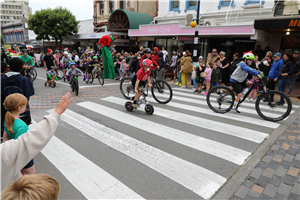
(233, 64)
(285, 73)
(186, 68)
(199, 69)
(225, 68)
(296, 72)
(174, 65)
(161, 67)
(165, 54)
(179, 60)
(212, 57)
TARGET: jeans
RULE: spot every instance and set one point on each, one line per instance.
(213, 84)
(281, 87)
(131, 74)
(179, 77)
(120, 73)
(194, 83)
(293, 80)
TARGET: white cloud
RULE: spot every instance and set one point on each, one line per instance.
(81, 9)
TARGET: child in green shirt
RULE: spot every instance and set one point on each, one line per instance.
(13, 125)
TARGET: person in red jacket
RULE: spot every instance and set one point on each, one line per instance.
(147, 55)
(155, 57)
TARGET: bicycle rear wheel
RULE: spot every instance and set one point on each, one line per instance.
(34, 73)
(76, 87)
(162, 91)
(100, 78)
(126, 88)
(267, 108)
(220, 99)
(91, 78)
(60, 73)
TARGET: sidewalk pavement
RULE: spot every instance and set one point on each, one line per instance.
(277, 175)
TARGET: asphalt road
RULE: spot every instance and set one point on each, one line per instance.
(183, 151)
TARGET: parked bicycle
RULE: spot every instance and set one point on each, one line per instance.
(265, 105)
(96, 73)
(161, 91)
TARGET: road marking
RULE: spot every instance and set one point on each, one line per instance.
(88, 86)
(197, 179)
(217, 149)
(244, 133)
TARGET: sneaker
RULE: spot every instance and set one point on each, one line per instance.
(135, 105)
(172, 82)
(86, 82)
(184, 86)
(221, 91)
(252, 100)
(205, 93)
(179, 85)
(280, 103)
(248, 99)
(195, 91)
(199, 91)
(235, 111)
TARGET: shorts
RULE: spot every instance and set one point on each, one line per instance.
(90, 69)
(30, 164)
(141, 85)
(239, 87)
(207, 81)
(199, 79)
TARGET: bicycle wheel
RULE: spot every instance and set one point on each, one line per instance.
(91, 78)
(267, 108)
(100, 78)
(220, 99)
(126, 88)
(128, 106)
(60, 73)
(76, 88)
(149, 109)
(162, 91)
(30, 76)
(34, 73)
(53, 84)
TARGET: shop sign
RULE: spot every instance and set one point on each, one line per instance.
(294, 23)
(186, 38)
(277, 24)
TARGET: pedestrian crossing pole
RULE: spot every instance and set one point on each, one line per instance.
(195, 53)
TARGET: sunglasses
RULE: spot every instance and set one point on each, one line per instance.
(214, 51)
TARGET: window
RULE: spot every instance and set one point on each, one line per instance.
(174, 6)
(13, 7)
(2, 6)
(254, 1)
(225, 3)
(5, 6)
(111, 6)
(18, 17)
(9, 12)
(4, 22)
(19, 7)
(101, 5)
(14, 17)
(191, 5)
(9, 7)
(122, 4)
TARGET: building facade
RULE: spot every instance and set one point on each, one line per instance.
(11, 9)
(227, 25)
(103, 9)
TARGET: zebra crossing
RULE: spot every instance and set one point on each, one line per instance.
(182, 147)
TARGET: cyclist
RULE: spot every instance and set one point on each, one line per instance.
(91, 65)
(27, 61)
(51, 73)
(65, 61)
(147, 55)
(139, 80)
(238, 78)
(73, 71)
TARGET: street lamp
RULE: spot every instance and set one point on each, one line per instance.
(193, 24)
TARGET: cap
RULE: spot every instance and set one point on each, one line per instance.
(174, 52)
(277, 54)
(201, 57)
(296, 52)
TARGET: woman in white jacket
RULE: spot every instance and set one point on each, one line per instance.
(15, 154)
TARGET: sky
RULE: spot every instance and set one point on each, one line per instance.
(82, 10)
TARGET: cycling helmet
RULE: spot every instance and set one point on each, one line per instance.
(72, 63)
(95, 57)
(147, 62)
(52, 67)
(24, 50)
(66, 53)
(249, 55)
(147, 50)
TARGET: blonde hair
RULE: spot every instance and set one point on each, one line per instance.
(123, 61)
(29, 187)
(12, 103)
(89, 59)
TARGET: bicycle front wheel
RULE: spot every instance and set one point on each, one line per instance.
(76, 87)
(100, 78)
(162, 91)
(60, 73)
(34, 73)
(220, 99)
(273, 105)
(126, 88)
(91, 78)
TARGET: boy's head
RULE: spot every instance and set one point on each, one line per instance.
(147, 52)
(52, 68)
(174, 53)
(3, 67)
(37, 186)
(215, 65)
(16, 64)
(249, 57)
(146, 64)
(73, 65)
(218, 62)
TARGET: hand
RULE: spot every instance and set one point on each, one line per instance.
(267, 79)
(259, 76)
(149, 85)
(63, 104)
(46, 69)
(158, 67)
(136, 91)
(275, 79)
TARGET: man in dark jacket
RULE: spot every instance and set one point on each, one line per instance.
(161, 66)
(14, 82)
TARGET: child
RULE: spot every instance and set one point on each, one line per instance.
(123, 68)
(199, 69)
(219, 64)
(50, 74)
(15, 104)
(216, 76)
(174, 65)
(253, 93)
(193, 77)
(207, 77)
(84, 64)
(73, 71)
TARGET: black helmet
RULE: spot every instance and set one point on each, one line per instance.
(24, 50)
(147, 50)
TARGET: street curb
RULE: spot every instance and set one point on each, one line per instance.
(234, 182)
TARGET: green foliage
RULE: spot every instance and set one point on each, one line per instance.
(2, 39)
(54, 24)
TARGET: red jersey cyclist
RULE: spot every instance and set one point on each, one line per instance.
(139, 80)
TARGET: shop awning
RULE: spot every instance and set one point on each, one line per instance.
(123, 20)
(281, 24)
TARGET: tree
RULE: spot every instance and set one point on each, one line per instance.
(53, 24)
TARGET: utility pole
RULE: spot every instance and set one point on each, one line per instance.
(195, 53)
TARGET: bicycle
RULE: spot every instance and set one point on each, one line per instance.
(161, 91)
(29, 73)
(60, 72)
(51, 82)
(265, 105)
(96, 73)
(74, 84)
(149, 109)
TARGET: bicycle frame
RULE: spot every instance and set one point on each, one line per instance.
(265, 90)
(143, 100)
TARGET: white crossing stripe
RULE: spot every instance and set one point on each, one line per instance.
(244, 133)
(204, 98)
(207, 111)
(217, 149)
(200, 180)
(92, 181)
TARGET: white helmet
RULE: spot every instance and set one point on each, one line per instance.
(66, 53)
